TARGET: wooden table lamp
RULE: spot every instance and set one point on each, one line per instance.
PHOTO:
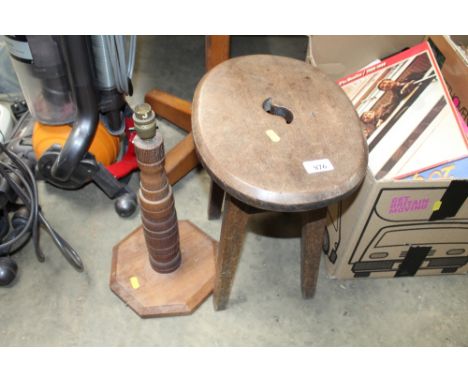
(164, 267)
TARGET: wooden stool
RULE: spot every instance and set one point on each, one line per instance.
(277, 135)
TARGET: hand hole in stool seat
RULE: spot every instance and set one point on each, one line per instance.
(281, 111)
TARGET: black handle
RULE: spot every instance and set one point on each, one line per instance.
(76, 54)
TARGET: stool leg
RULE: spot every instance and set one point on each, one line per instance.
(233, 230)
(216, 201)
(313, 227)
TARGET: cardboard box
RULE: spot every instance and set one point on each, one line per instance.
(412, 218)
(453, 62)
(394, 229)
(339, 56)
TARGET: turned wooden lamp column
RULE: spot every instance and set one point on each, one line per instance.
(155, 197)
(164, 267)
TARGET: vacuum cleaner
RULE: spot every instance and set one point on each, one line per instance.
(78, 130)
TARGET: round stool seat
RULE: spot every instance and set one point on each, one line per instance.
(278, 134)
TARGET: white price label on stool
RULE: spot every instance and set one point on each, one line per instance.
(319, 165)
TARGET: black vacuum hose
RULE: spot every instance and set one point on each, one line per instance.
(76, 54)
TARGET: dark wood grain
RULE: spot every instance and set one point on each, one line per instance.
(230, 131)
(313, 228)
(162, 244)
(235, 218)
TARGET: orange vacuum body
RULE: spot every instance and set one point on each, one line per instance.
(105, 147)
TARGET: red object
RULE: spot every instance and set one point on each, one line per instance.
(128, 163)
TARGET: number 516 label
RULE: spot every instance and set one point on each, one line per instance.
(319, 165)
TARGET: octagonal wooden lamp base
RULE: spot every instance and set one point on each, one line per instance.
(153, 294)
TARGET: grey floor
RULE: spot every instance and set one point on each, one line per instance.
(52, 305)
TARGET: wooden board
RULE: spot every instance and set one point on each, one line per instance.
(181, 159)
(176, 110)
(151, 294)
(217, 49)
(261, 159)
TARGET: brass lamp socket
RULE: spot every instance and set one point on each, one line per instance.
(145, 121)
